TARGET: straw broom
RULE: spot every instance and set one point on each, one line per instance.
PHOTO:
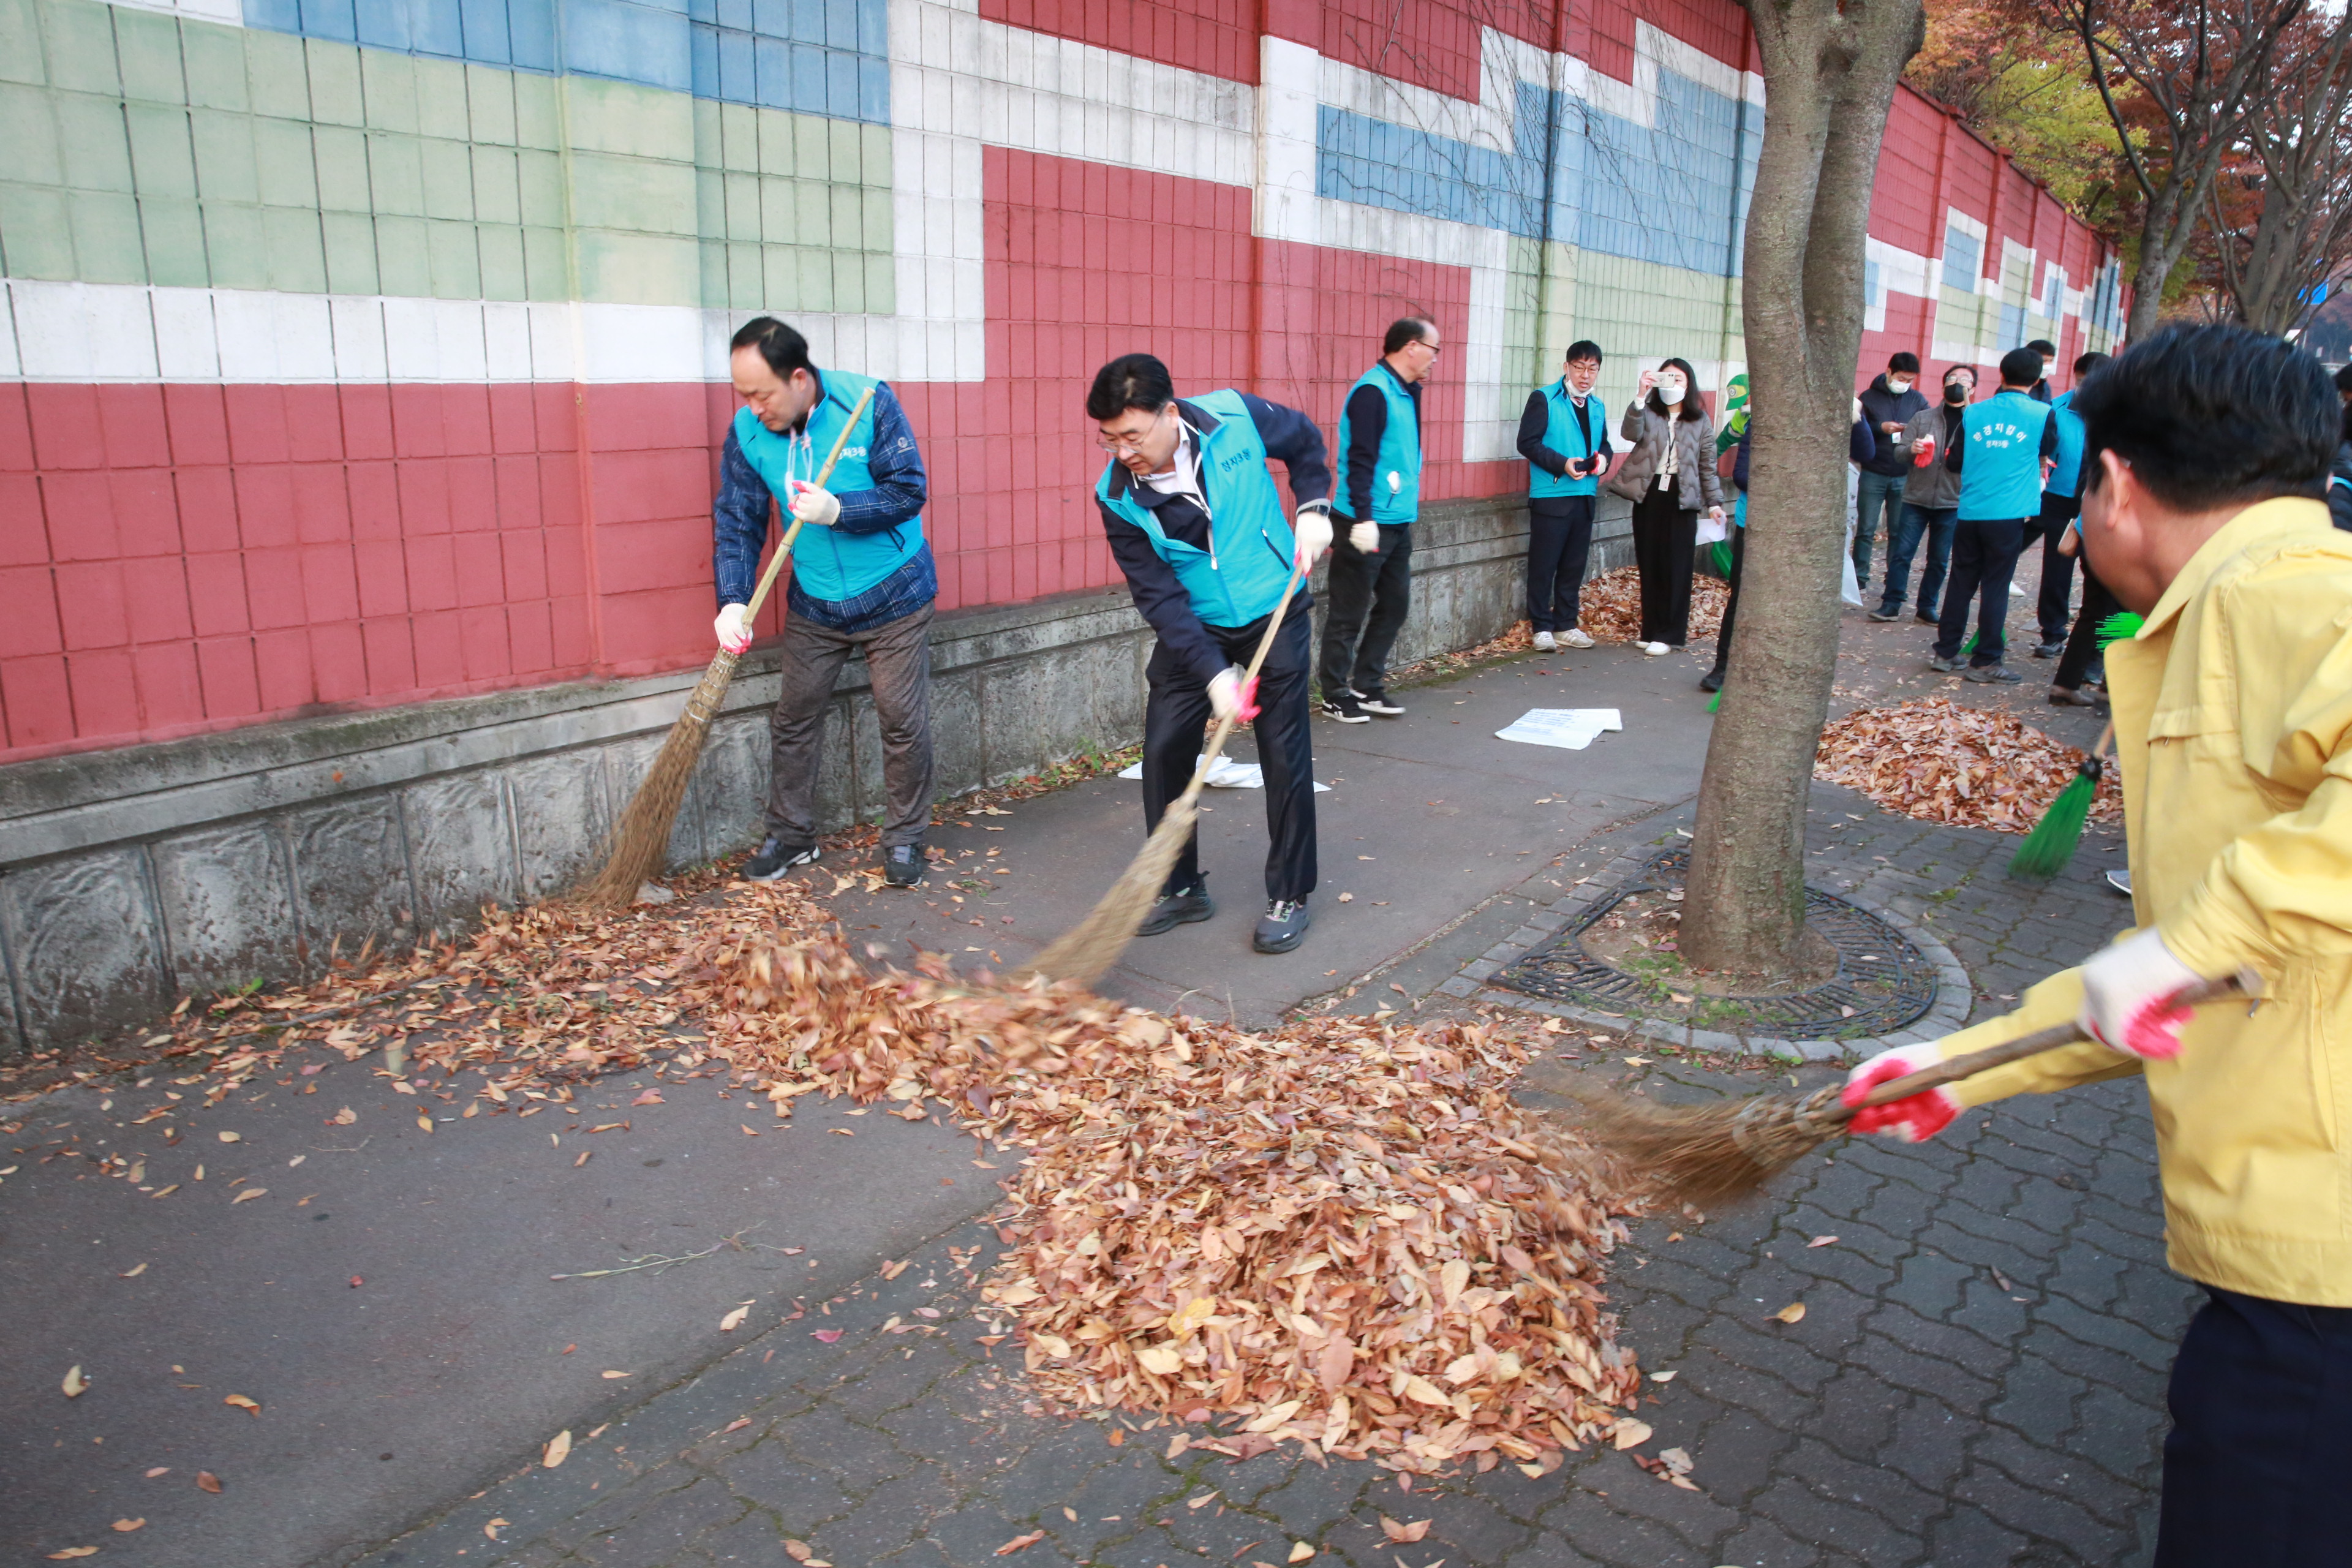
(1721, 1152)
(1090, 947)
(640, 841)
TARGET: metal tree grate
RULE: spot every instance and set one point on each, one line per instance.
(1563, 970)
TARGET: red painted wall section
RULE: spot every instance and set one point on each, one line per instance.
(1216, 38)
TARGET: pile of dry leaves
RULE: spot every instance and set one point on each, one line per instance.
(1942, 762)
(1611, 606)
(1343, 1233)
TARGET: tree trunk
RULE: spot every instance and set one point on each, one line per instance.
(2162, 239)
(1830, 74)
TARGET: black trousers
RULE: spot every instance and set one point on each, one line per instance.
(1364, 603)
(2260, 1443)
(2057, 570)
(1176, 711)
(2082, 642)
(1560, 544)
(1731, 603)
(1666, 535)
(1984, 558)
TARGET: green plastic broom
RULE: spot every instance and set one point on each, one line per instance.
(2050, 845)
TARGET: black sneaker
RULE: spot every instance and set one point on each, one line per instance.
(1942, 665)
(1282, 927)
(1883, 614)
(2051, 649)
(1712, 680)
(1174, 909)
(903, 865)
(1378, 702)
(1994, 675)
(776, 858)
(1344, 709)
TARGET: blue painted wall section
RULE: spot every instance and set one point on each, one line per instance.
(812, 57)
(1675, 193)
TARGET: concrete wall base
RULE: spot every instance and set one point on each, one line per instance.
(129, 877)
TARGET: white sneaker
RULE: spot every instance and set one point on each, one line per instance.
(1575, 637)
(1655, 649)
(1544, 643)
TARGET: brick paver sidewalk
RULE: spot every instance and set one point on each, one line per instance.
(1977, 1382)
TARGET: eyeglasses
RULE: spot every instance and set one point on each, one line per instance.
(1116, 444)
(1425, 344)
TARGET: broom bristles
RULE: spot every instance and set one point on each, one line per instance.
(1706, 1155)
(640, 840)
(2051, 843)
(1088, 948)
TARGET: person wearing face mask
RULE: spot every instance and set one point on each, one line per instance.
(1669, 476)
(1375, 500)
(1889, 403)
(2040, 390)
(1564, 436)
(1194, 521)
(2005, 446)
(1929, 498)
(2059, 507)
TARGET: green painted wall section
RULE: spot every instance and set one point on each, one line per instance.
(145, 148)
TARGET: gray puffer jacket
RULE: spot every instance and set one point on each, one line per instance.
(1934, 486)
(1647, 431)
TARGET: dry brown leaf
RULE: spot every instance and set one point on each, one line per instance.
(1300, 1551)
(558, 1449)
(1630, 1434)
(1943, 762)
(1404, 1534)
(1019, 1543)
(72, 1552)
(207, 1481)
(734, 1320)
(242, 1402)
(1794, 1312)
(125, 1526)
(1821, 1241)
(75, 1384)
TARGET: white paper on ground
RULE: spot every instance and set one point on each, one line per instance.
(1571, 728)
(1226, 773)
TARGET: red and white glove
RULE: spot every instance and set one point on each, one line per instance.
(1233, 695)
(733, 628)
(1312, 529)
(812, 505)
(1915, 1118)
(2131, 998)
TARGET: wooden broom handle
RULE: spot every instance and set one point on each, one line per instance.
(784, 549)
(1265, 646)
(1954, 1069)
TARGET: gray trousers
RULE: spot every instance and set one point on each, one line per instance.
(898, 667)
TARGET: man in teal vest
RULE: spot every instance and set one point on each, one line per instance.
(1564, 436)
(2060, 505)
(1378, 496)
(2007, 443)
(862, 580)
(1194, 521)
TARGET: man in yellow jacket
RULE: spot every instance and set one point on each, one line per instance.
(2205, 457)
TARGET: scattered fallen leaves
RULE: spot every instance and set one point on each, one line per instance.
(251, 1406)
(1404, 1534)
(1630, 1434)
(207, 1482)
(249, 1194)
(75, 1384)
(125, 1526)
(1794, 1312)
(72, 1552)
(1611, 610)
(1020, 1543)
(558, 1449)
(734, 1320)
(800, 1553)
(1940, 761)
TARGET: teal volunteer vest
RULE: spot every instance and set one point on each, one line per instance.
(1566, 435)
(827, 564)
(2066, 478)
(1241, 575)
(2001, 473)
(1400, 451)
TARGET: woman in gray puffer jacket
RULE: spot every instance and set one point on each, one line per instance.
(1670, 477)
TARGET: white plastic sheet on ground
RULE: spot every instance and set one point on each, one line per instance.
(1572, 728)
(1225, 773)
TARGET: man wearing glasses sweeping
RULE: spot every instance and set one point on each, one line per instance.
(861, 581)
(1195, 521)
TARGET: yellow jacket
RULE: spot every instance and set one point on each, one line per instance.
(2233, 727)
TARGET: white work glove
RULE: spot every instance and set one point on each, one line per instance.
(1233, 695)
(812, 505)
(1396, 481)
(1366, 538)
(2130, 997)
(733, 628)
(1312, 530)
(1913, 1119)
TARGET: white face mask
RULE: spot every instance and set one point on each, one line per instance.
(1899, 386)
(1670, 390)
